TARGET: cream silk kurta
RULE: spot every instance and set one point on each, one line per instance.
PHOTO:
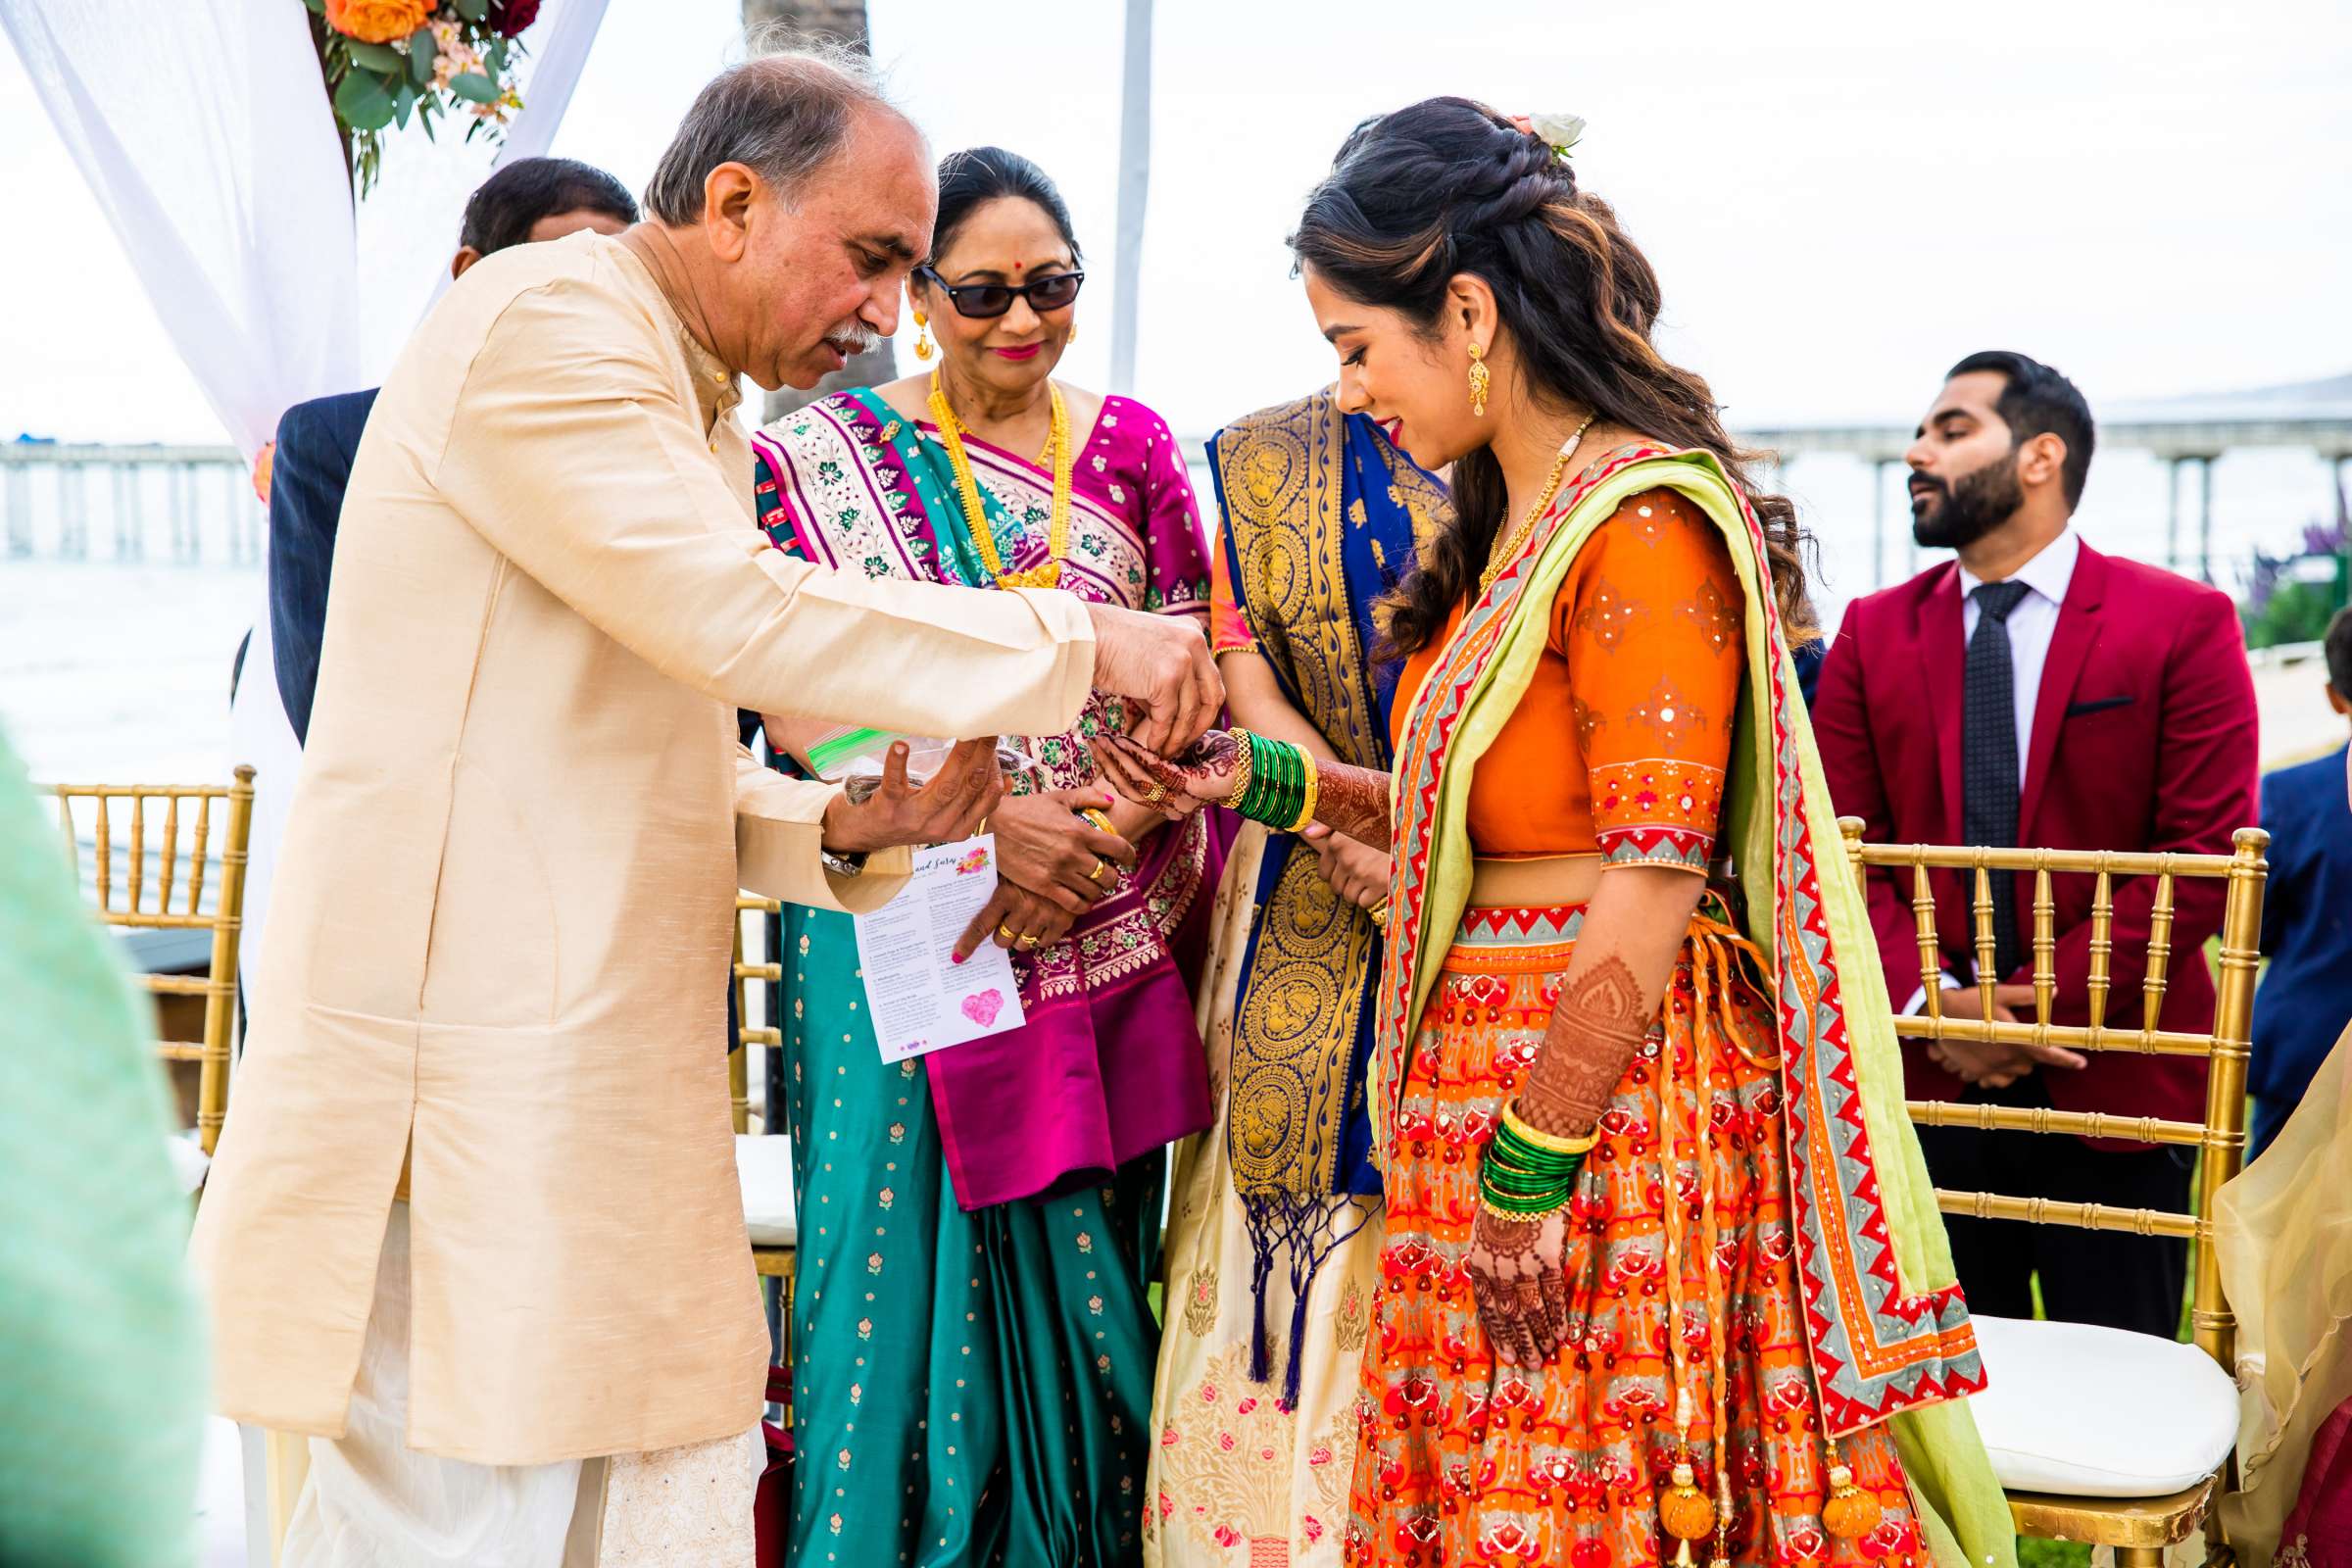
(500, 928)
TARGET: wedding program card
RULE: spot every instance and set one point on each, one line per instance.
(919, 998)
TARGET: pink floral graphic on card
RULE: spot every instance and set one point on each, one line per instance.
(974, 861)
(982, 1007)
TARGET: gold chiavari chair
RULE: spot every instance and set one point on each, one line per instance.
(145, 878)
(763, 1162)
(2098, 1435)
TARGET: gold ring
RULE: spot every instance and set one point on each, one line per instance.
(1159, 793)
(1380, 916)
(1006, 932)
(1095, 876)
(1027, 941)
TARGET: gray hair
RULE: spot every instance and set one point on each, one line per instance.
(784, 115)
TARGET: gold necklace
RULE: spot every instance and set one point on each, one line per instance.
(1047, 575)
(1535, 513)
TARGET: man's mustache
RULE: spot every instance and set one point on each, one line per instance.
(853, 340)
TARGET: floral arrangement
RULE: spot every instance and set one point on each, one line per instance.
(386, 60)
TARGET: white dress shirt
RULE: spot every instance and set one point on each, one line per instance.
(2031, 626)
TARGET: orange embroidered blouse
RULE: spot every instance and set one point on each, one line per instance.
(1620, 744)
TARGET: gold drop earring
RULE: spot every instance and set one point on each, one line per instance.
(922, 336)
(1480, 377)
(1072, 338)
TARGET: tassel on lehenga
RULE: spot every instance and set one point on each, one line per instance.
(1851, 1513)
(1685, 1512)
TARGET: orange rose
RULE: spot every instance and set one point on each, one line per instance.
(377, 20)
(265, 461)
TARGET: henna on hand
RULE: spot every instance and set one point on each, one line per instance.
(1516, 1280)
(1596, 1027)
(1214, 756)
(1354, 801)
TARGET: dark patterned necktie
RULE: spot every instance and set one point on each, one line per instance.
(1989, 754)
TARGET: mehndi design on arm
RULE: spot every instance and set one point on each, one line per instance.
(1597, 1026)
(1354, 801)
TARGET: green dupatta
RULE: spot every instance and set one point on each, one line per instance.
(1887, 1329)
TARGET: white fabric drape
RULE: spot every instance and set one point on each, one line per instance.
(427, 190)
(559, 41)
(204, 131)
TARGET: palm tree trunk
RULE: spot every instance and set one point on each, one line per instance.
(844, 20)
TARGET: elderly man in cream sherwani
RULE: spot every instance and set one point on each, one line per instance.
(501, 935)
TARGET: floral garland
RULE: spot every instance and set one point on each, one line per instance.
(386, 60)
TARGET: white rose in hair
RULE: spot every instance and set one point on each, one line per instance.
(1559, 132)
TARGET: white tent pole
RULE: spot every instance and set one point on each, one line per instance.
(1135, 181)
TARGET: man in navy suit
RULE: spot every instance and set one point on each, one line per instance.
(2306, 994)
(2036, 692)
(530, 199)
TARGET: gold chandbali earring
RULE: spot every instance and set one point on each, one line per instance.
(922, 336)
(1073, 336)
(1479, 378)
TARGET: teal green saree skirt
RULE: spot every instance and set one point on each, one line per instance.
(968, 1388)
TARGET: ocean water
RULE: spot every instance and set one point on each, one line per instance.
(118, 671)
(114, 672)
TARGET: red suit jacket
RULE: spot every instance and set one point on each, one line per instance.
(2144, 740)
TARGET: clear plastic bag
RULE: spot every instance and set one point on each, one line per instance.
(853, 756)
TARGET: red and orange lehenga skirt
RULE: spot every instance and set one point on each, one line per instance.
(1465, 1461)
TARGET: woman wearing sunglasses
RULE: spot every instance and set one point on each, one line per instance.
(981, 1219)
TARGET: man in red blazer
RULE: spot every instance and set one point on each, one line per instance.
(2036, 692)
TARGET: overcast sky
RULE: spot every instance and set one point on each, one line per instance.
(1840, 197)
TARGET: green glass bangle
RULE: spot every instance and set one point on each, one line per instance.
(1544, 1197)
(1530, 1209)
(1509, 1189)
(1510, 1137)
(1265, 776)
(1283, 805)
(1277, 791)
(1529, 1157)
(1509, 1159)
(1512, 1182)
(1524, 1181)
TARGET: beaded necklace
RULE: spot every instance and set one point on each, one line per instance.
(1047, 574)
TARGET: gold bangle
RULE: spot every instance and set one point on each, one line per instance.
(1538, 1218)
(1099, 820)
(1546, 1140)
(1314, 779)
(1245, 774)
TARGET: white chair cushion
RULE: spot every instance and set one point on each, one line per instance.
(763, 1167)
(189, 1161)
(2100, 1413)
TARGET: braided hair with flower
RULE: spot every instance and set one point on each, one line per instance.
(1448, 186)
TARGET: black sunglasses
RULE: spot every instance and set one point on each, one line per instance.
(983, 302)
